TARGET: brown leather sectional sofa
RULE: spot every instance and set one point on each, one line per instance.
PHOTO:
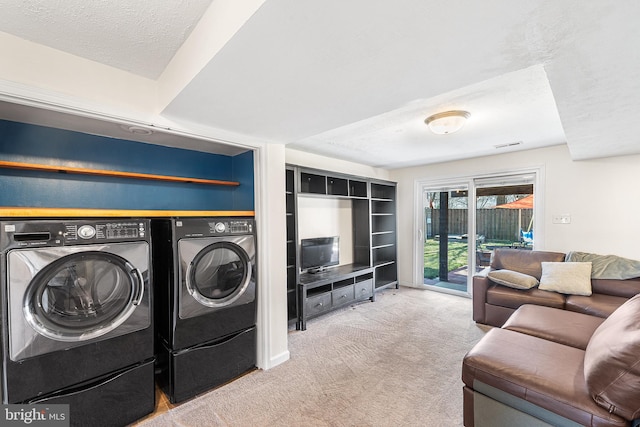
(494, 303)
(553, 360)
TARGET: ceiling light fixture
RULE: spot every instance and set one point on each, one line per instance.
(447, 121)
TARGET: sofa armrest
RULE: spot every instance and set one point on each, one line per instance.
(627, 288)
(480, 285)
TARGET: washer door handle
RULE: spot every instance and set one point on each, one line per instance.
(137, 299)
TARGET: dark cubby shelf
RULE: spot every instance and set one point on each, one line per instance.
(313, 184)
(383, 191)
(358, 188)
(337, 186)
(386, 275)
(383, 223)
(382, 239)
(319, 290)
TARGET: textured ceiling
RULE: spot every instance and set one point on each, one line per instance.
(355, 80)
(137, 36)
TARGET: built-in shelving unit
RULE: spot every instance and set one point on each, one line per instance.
(292, 268)
(374, 242)
(383, 234)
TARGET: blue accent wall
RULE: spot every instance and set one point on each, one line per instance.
(21, 142)
(242, 166)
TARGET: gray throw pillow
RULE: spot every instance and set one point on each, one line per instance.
(513, 279)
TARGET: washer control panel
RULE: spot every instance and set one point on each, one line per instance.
(101, 231)
(86, 231)
(60, 233)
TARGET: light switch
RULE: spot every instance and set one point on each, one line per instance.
(562, 219)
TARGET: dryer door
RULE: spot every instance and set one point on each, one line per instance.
(220, 275)
(72, 299)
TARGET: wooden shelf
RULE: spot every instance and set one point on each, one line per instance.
(109, 173)
(32, 212)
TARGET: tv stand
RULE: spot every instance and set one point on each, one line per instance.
(333, 288)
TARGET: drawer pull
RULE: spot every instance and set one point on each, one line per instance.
(319, 304)
(343, 296)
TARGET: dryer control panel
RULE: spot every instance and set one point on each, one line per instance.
(232, 227)
(74, 232)
(207, 227)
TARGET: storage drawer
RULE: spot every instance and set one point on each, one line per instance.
(342, 295)
(225, 358)
(318, 304)
(364, 289)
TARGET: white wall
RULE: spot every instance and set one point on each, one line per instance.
(315, 161)
(601, 195)
(322, 217)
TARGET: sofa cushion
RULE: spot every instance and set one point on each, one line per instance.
(523, 261)
(595, 305)
(513, 279)
(545, 373)
(612, 361)
(566, 277)
(561, 326)
(514, 298)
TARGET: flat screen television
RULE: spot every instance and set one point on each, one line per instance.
(318, 253)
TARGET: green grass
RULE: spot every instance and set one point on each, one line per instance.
(457, 257)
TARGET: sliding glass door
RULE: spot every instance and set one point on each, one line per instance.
(446, 237)
(503, 215)
(463, 222)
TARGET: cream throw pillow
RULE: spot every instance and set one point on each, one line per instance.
(572, 278)
(513, 279)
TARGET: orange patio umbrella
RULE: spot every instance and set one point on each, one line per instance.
(524, 203)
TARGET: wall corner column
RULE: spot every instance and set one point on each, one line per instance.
(271, 228)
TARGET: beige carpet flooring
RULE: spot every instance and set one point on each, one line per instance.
(394, 362)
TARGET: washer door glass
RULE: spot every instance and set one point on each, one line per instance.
(219, 274)
(82, 296)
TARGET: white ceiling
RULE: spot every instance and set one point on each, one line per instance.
(356, 79)
(136, 36)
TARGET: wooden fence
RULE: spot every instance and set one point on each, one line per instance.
(493, 224)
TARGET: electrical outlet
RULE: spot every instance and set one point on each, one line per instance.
(561, 219)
